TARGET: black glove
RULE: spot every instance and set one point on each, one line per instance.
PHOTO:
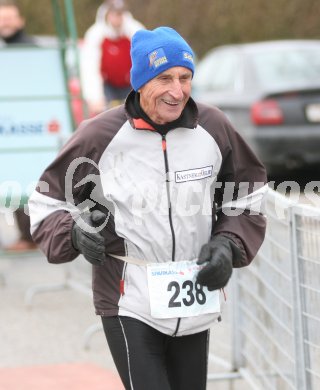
(218, 253)
(90, 244)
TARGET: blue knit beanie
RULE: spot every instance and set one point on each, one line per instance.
(153, 52)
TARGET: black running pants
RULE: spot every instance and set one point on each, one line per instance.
(147, 359)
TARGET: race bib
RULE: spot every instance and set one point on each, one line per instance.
(174, 292)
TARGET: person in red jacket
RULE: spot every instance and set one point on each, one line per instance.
(106, 62)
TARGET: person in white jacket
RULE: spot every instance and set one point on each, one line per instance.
(105, 56)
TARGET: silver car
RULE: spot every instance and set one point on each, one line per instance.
(271, 93)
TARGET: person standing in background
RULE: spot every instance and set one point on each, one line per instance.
(105, 57)
(12, 25)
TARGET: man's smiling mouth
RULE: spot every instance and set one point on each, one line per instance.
(171, 103)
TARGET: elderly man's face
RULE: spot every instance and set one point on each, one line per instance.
(10, 21)
(164, 97)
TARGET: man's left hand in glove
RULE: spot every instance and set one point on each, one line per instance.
(218, 255)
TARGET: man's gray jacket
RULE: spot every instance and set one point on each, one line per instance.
(167, 193)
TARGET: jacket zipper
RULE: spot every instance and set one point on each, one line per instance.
(164, 148)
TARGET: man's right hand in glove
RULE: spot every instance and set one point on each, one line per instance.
(88, 240)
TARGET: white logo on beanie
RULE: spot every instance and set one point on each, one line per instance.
(188, 56)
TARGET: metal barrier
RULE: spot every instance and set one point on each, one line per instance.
(276, 302)
(77, 276)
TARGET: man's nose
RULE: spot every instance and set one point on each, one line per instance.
(176, 89)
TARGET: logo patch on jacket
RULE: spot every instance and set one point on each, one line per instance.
(193, 174)
(157, 58)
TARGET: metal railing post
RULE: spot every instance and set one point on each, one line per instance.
(236, 358)
(72, 28)
(300, 366)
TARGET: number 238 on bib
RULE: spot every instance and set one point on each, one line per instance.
(174, 292)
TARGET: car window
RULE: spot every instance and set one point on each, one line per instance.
(278, 68)
(216, 71)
